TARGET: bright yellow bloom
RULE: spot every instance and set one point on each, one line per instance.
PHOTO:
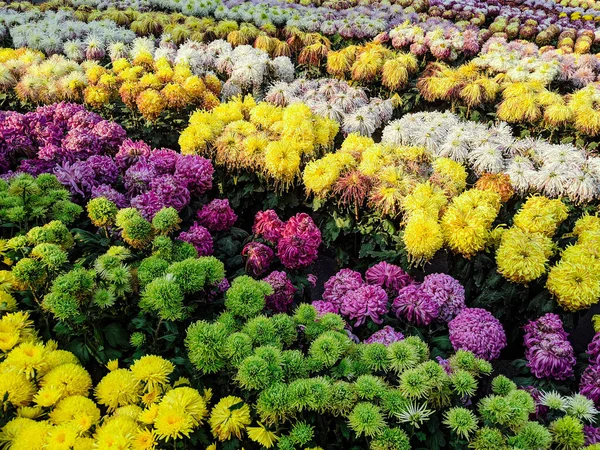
(152, 370)
(113, 364)
(7, 302)
(27, 358)
(262, 436)
(522, 256)
(7, 280)
(173, 422)
(596, 322)
(144, 440)
(96, 96)
(48, 396)
(226, 422)
(422, 237)
(71, 378)
(116, 432)
(61, 437)
(189, 400)
(118, 388)
(29, 412)
(32, 436)
(151, 104)
(450, 175)
(425, 198)
(541, 215)
(78, 411)
(148, 416)
(19, 389)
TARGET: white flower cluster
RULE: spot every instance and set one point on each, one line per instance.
(58, 32)
(533, 165)
(138, 5)
(245, 68)
(337, 100)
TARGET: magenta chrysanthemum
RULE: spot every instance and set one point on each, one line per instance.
(366, 301)
(447, 293)
(389, 276)
(195, 173)
(590, 384)
(130, 152)
(385, 336)
(478, 331)
(324, 307)
(268, 225)
(299, 243)
(415, 306)
(200, 238)
(217, 215)
(338, 285)
(258, 257)
(284, 290)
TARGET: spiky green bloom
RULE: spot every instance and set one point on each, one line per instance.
(137, 232)
(402, 356)
(513, 410)
(66, 212)
(312, 394)
(162, 247)
(120, 252)
(463, 383)
(502, 385)
(391, 439)
(246, 296)
(421, 348)
(17, 243)
(285, 328)
(581, 407)
(370, 387)
(262, 331)
(270, 354)
(483, 367)
(62, 305)
(567, 433)
(366, 418)
(183, 250)
(272, 404)
(16, 214)
(255, 373)
(104, 298)
(163, 297)
(375, 355)
(327, 349)
(285, 443)
(54, 232)
(436, 375)
(206, 344)
(102, 212)
(554, 400)
(463, 360)
(137, 339)
(213, 268)
(119, 278)
(305, 314)
(151, 268)
(342, 399)
(105, 263)
(125, 215)
(231, 323)
(238, 347)
(531, 436)
(301, 433)
(189, 275)
(393, 402)
(294, 365)
(414, 414)
(488, 439)
(166, 221)
(47, 181)
(332, 322)
(51, 255)
(414, 384)
(79, 283)
(461, 421)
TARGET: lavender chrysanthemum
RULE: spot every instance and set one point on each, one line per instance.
(338, 285)
(200, 238)
(217, 215)
(446, 292)
(478, 331)
(365, 302)
(385, 336)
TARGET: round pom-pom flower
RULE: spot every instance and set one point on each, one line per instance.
(478, 331)
(446, 292)
(415, 305)
(366, 301)
(385, 336)
(366, 418)
(246, 296)
(200, 238)
(338, 285)
(101, 211)
(389, 276)
(217, 215)
(268, 225)
(299, 242)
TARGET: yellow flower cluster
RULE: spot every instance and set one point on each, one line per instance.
(371, 62)
(524, 249)
(242, 134)
(7, 301)
(50, 391)
(142, 84)
(575, 279)
(150, 86)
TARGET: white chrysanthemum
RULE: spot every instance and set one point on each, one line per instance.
(283, 69)
(248, 71)
(169, 54)
(328, 110)
(117, 50)
(552, 183)
(142, 45)
(553, 400)
(583, 188)
(280, 94)
(393, 134)
(581, 407)
(360, 122)
(487, 158)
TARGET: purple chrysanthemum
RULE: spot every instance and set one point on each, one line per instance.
(130, 152)
(338, 285)
(148, 204)
(258, 257)
(200, 238)
(284, 290)
(389, 276)
(111, 194)
(590, 383)
(268, 225)
(138, 176)
(593, 350)
(299, 242)
(447, 293)
(385, 336)
(217, 215)
(366, 301)
(415, 306)
(164, 161)
(79, 177)
(195, 173)
(110, 135)
(592, 435)
(478, 331)
(104, 167)
(324, 307)
(171, 192)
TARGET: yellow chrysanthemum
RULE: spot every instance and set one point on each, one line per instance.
(450, 175)
(228, 418)
(422, 237)
(522, 256)
(282, 161)
(541, 215)
(151, 104)
(32, 436)
(148, 416)
(118, 388)
(7, 302)
(19, 389)
(78, 411)
(48, 396)
(173, 422)
(61, 437)
(27, 358)
(187, 398)
(29, 412)
(356, 144)
(116, 432)
(112, 364)
(596, 322)
(131, 411)
(320, 175)
(72, 378)
(425, 198)
(12, 429)
(152, 370)
(96, 96)
(7, 280)
(144, 440)
(262, 436)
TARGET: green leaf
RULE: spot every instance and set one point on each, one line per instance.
(116, 336)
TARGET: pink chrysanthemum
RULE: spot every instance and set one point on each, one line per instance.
(366, 301)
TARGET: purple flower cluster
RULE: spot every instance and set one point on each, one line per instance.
(592, 435)
(284, 290)
(324, 307)
(200, 238)
(385, 336)
(366, 301)
(93, 157)
(297, 241)
(440, 297)
(217, 215)
(478, 331)
(589, 384)
(388, 276)
(548, 352)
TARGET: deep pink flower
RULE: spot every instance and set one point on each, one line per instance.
(385, 336)
(200, 238)
(268, 225)
(415, 306)
(389, 276)
(338, 285)
(324, 307)
(130, 152)
(217, 215)
(258, 257)
(284, 290)
(366, 301)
